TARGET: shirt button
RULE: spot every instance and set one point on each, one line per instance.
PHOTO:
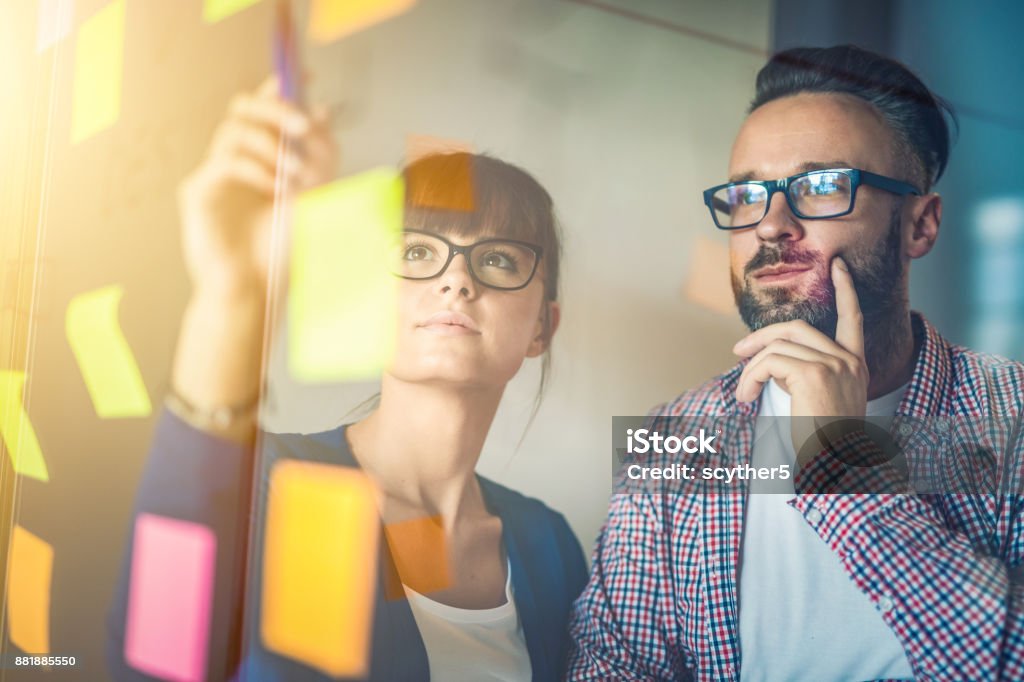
(814, 516)
(942, 425)
(906, 429)
(885, 605)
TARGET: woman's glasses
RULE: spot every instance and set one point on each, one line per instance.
(813, 195)
(505, 264)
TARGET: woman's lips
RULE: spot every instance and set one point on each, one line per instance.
(450, 323)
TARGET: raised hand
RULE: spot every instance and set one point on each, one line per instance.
(825, 378)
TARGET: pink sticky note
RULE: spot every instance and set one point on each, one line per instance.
(170, 597)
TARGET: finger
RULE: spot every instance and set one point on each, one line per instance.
(240, 138)
(753, 379)
(798, 351)
(797, 331)
(247, 173)
(270, 111)
(850, 325)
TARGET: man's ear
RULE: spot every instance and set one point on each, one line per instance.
(924, 219)
(547, 325)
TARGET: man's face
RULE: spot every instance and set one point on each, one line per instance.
(781, 267)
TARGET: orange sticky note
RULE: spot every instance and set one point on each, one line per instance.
(332, 19)
(29, 574)
(99, 64)
(441, 179)
(18, 435)
(417, 146)
(319, 566)
(420, 555)
(707, 283)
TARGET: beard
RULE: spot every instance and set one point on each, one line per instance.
(877, 276)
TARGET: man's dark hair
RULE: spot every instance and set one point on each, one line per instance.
(914, 113)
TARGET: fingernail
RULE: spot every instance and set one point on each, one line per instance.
(841, 264)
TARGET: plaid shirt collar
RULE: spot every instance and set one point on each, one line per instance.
(929, 385)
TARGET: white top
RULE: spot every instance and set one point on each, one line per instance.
(801, 616)
(472, 645)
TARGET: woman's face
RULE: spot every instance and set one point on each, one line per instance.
(454, 330)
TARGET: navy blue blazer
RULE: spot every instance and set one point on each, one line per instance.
(193, 476)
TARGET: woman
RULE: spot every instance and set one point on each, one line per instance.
(478, 296)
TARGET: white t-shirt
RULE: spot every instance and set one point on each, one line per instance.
(472, 645)
(801, 616)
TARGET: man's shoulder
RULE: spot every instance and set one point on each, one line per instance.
(994, 382)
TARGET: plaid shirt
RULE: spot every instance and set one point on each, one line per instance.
(943, 569)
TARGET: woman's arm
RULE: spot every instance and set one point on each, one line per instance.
(200, 468)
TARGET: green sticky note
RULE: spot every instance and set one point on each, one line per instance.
(108, 366)
(342, 299)
(217, 10)
(18, 435)
(99, 65)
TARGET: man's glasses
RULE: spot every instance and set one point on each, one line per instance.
(813, 195)
(505, 264)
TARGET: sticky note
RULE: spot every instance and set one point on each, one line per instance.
(319, 566)
(99, 66)
(108, 367)
(18, 435)
(54, 23)
(420, 555)
(707, 281)
(417, 146)
(169, 598)
(441, 182)
(217, 10)
(332, 19)
(343, 296)
(30, 572)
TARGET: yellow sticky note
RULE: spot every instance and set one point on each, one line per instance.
(707, 283)
(18, 434)
(332, 19)
(99, 66)
(343, 296)
(54, 23)
(216, 10)
(319, 566)
(28, 592)
(108, 367)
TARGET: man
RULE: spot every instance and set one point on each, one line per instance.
(828, 202)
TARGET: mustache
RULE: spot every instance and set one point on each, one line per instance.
(768, 256)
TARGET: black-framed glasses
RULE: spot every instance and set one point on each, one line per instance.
(506, 264)
(814, 195)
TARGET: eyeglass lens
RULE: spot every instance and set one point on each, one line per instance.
(500, 264)
(814, 195)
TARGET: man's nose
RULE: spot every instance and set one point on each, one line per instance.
(779, 224)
